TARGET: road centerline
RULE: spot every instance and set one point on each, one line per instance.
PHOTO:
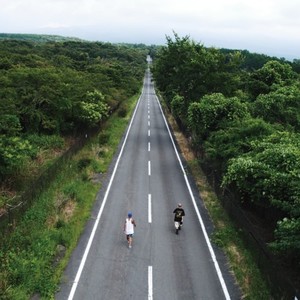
(149, 208)
(149, 168)
(150, 283)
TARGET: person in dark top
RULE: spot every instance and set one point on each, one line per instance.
(178, 217)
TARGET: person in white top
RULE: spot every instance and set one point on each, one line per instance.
(129, 228)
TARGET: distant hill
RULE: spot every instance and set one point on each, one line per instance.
(41, 38)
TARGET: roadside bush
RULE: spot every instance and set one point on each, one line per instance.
(83, 163)
(103, 138)
(122, 112)
(46, 141)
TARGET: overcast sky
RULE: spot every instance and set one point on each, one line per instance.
(271, 27)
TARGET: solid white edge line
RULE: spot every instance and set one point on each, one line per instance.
(212, 253)
(149, 209)
(87, 249)
(150, 283)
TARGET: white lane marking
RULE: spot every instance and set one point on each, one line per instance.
(211, 250)
(149, 146)
(149, 209)
(148, 132)
(148, 123)
(148, 116)
(150, 283)
(88, 246)
(149, 168)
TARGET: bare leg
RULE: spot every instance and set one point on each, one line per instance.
(176, 227)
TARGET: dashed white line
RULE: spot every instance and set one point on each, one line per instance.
(150, 283)
(149, 168)
(149, 209)
(149, 146)
(148, 132)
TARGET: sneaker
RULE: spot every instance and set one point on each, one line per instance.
(129, 246)
(176, 231)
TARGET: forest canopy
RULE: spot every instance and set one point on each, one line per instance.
(51, 88)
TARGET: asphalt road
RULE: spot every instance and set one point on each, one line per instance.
(147, 178)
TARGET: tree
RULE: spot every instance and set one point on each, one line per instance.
(287, 240)
(10, 125)
(213, 112)
(269, 174)
(272, 73)
(93, 109)
(14, 151)
(280, 106)
(236, 139)
(190, 70)
(179, 108)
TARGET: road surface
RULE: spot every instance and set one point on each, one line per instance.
(147, 178)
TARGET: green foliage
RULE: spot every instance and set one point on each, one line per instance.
(190, 70)
(10, 125)
(14, 151)
(287, 241)
(236, 138)
(93, 109)
(83, 163)
(296, 65)
(280, 106)
(53, 89)
(213, 112)
(269, 174)
(36, 37)
(122, 112)
(178, 107)
(274, 72)
(46, 141)
(103, 138)
(270, 74)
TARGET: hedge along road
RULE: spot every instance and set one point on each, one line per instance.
(147, 178)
